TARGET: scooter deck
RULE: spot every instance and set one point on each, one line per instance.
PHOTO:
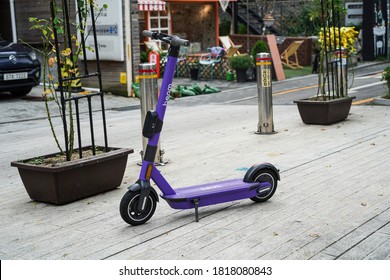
(213, 193)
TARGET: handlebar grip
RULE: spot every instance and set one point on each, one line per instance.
(172, 40)
(147, 33)
(176, 41)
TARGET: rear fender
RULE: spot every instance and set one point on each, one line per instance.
(256, 168)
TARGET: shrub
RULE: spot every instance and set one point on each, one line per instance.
(240, 62)
(241, 28)
(259, 47)
(386, 78)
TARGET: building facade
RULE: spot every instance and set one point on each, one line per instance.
(194, 20)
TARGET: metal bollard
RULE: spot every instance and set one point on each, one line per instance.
(342, 71)
(149, 95)
(264, 90)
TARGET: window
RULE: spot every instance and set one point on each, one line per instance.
(159, 21)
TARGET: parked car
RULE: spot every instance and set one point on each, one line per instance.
(20, 69)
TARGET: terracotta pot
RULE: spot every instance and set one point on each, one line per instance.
(324, 112)
(73, 180)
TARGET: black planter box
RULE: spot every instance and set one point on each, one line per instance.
(194, 73)
(74, 180)
(324, 112)
(241, 75)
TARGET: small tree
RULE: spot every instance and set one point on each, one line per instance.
(63, 54)
(334, 40)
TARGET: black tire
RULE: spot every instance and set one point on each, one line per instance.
(265, 175)
(21, 92)
(129, 212)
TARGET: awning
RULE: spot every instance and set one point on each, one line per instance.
(151, 5)
(198, 1)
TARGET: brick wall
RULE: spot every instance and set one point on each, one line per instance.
(24, 9)
(194, 22)
(5, 26)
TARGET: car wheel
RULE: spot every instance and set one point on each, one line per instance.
(21, 92)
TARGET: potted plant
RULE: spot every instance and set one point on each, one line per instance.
(332, 103)
(193, 68)
(386, 78)
(259, 47)
(240, 63)
(384, 99)
(72, 173)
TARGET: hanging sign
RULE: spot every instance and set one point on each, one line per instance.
(154, 57)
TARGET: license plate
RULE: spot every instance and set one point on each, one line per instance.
(15, 76)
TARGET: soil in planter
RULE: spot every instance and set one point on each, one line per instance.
(57, 159)
(324, 98)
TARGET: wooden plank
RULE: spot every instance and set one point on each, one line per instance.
(275, 57)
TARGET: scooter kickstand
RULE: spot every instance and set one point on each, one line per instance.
(196, 204)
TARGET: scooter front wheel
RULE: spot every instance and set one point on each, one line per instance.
(129, 212)
(262, 176)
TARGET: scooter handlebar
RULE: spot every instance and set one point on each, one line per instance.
(148, 33)
(172, 40)
(176, 41)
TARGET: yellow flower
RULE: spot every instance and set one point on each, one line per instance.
(66, 52)
(335, 38)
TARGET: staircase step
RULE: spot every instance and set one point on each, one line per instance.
(254, 20)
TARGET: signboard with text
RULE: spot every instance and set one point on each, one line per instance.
(109, 31)
(354, 13)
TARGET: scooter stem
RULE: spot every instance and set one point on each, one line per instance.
(161, 107)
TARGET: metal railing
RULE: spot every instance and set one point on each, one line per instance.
(63, 37)
(333, 63)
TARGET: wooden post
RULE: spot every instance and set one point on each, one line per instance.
(277, 63)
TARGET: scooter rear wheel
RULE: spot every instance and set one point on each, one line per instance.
(129, 212)
(265, 175)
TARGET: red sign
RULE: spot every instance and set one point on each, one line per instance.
(154, 57)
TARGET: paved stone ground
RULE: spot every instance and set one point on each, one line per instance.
(332, 201)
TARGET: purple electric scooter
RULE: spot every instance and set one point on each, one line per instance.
(139, 203)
